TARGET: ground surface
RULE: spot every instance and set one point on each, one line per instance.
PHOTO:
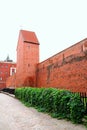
(15, 116)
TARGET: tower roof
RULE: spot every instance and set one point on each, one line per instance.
(29, 36)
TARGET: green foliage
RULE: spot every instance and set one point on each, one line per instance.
(61, 106)
(76, 109)
(59, 103)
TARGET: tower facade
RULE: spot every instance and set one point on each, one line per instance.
(27, 58)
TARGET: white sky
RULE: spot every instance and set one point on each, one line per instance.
(57, 23)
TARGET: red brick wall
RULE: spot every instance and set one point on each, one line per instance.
(66, 70)
(11, 81)
(31, 59)
(5, 72)
(27, 59)
(20, 53)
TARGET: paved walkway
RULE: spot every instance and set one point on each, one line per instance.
(15, 116)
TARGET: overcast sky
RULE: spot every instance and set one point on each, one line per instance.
(58, 24)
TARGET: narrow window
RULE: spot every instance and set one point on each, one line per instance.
(0, 78)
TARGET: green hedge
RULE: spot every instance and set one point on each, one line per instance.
(59, 103)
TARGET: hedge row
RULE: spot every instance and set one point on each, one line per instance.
(59, 103)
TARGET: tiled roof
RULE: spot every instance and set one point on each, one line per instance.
(29, 36)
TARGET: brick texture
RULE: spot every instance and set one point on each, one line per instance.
(27, 59)
(5, 69)
(65, 70)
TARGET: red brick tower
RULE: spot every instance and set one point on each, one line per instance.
(27, 58)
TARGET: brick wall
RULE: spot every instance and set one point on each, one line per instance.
(66, 70)
(11, 81)
(27, 59)
(20, 53)
(5, 69)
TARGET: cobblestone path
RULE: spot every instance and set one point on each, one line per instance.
(15, 116)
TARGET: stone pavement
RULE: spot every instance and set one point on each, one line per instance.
(15, 116)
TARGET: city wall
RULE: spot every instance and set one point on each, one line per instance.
(65, 70)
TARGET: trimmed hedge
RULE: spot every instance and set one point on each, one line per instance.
(59, 103)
